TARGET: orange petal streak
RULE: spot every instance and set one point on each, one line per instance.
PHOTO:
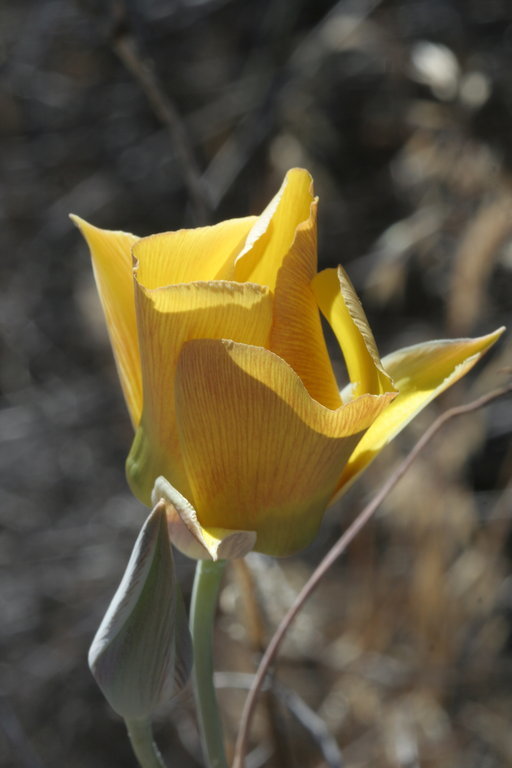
(274, 231)
(206, 253)
(167, 318)
(297, 334)
(261, 455)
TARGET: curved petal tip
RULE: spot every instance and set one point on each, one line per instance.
(188, 535)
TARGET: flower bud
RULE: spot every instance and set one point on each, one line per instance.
(141, 655)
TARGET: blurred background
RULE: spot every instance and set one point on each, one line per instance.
(402, 111)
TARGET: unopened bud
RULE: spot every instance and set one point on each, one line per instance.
(141, 655)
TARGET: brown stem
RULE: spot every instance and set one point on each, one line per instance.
(256, 631)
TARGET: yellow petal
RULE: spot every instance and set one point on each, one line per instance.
(421, 373)
(274, 232)
(261, 455)
(191, 255)
(167, 318)
(188, 535)
(297, 334)
(112, 265)
(342, 309)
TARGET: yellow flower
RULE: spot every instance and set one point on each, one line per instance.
(218, 341)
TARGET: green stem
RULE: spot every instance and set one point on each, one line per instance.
(202, 614)
(141, 737)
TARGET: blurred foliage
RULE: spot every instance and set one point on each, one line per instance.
(402, 111)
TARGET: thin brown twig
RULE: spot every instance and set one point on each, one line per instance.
(258, 640)
(125, 46)
(335, 552)
(306, 716)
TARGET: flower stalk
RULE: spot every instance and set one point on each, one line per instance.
(206, 588)
(143, 745)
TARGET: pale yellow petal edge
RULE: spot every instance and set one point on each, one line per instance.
(408, 403)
